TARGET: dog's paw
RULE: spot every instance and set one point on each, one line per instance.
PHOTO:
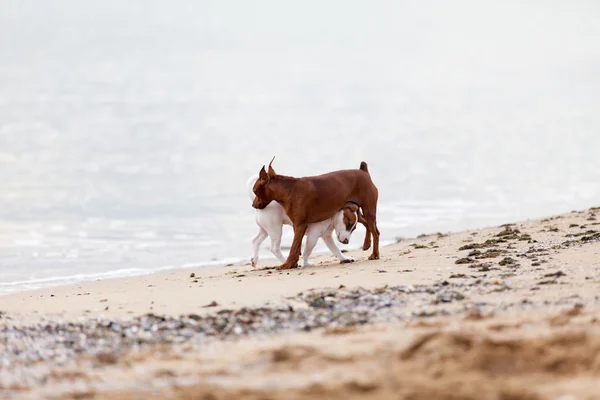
(253, 262)
(307, 265)
(374, 257)
(347, 260)
(287, 266)
(366, 247)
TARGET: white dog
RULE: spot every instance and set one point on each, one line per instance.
(271, 219)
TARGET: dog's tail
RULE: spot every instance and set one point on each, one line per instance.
(363, 167)
(251, 182)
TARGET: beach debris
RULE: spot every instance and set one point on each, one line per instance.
(471, 246)
(585, 237)
(556, 274)
(211, 304)
(507, 261)
(595, 236)
(491, 253)
(192, 275)
(509, 233)
(567, 243)
(487, 243)
(589, 232)
(485, 267)
(465, 260)
(448, 297)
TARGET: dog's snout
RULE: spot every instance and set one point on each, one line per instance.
(258, 204)
(346, 241)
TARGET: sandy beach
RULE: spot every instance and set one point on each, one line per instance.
(504, 312)
(129, 133)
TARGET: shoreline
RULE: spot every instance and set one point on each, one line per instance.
(212, 282)
(27, 286)
(124, 273)
(24, 285)
(238, 332)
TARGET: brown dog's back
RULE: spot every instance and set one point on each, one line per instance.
(318, 197)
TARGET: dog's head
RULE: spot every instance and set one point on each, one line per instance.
(345, 222)
(261, 187)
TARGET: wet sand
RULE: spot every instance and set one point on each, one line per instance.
(502, 312)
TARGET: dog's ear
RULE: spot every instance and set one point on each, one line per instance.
(361, 218)
(272, 172)
(351, 206)
(263, 177)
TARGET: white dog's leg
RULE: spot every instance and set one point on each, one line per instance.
(328, 239)
(256, 242)
(311, 242)
(275, 232)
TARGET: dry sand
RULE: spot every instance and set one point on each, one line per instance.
(517, 319)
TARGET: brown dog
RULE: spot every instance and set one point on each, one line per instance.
(316, 198)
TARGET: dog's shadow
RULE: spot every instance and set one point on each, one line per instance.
(321, 265)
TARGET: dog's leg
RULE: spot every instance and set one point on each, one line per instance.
(367, 242)
(292, 260)
(276, 232)
(371, 217)
(311, 241)
(330, 243)
(256, 242)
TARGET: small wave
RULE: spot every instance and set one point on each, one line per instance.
(32, 284)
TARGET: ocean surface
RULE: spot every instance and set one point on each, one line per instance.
(128, 129)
